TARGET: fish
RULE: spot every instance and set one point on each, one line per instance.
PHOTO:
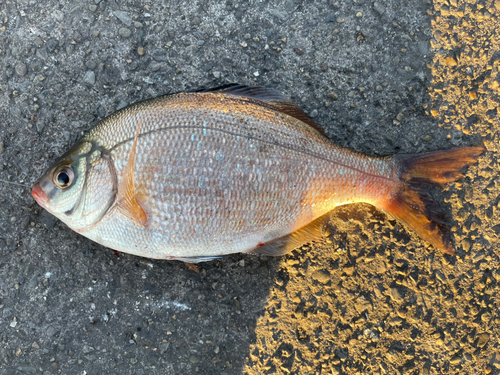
(199, 175)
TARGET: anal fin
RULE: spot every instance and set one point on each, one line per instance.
(192, 267)
(284, 245)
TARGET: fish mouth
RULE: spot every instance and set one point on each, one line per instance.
(39, 195)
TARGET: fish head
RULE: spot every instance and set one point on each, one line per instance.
(80, 187)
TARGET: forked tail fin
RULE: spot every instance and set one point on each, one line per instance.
(412, 203)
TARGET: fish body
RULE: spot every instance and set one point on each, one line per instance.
(193, 176)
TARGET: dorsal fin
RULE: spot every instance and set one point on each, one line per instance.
(286, 244)
(268, 97)
(126, 197)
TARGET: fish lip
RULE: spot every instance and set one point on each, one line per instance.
(39, 195)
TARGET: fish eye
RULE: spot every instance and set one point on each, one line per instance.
(63, 177)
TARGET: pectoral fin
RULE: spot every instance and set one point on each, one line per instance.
(126, 196)
(286, 244)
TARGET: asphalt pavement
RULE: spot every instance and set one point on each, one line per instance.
(383, 77)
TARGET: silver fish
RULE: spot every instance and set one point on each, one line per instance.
(194, 176)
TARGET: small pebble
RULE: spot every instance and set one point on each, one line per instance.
(395, 295)
(314, 113)
(91, 65)
(321, 276)
(21, 69)
(47, 220)
(89, 77)
(359, 14)
(423, 47)
(378, 88)
(58, 15)
(426, 138)
(333, 95)
(243, 44)
(140, 51)
(483, 340)
(38, 42)
(2, 149)
(216, 74)
(196, 21)
(455, 361)
(123, 16)
(87, 349)
(121, 105)
(379, 8)
(137, 25)
(124, 32)
(93, 7)
(298, 51)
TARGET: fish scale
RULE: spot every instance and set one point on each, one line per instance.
(215, 173)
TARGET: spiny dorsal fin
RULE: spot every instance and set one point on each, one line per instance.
(286, 244)
(126, 198)
(268, 97)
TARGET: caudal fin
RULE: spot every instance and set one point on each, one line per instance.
(413, 204)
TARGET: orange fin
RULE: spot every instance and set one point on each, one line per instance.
(193, 267)
(126, 200)
(412, 203)
(283, 245)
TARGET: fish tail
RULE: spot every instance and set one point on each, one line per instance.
(412, 203)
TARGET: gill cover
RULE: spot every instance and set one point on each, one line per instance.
(80, 186)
